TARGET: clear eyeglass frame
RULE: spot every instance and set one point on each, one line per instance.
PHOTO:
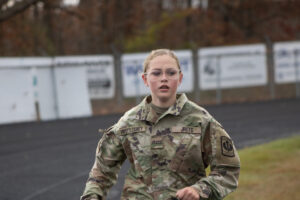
(170, 74)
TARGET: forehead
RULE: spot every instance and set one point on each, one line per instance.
(162, 62)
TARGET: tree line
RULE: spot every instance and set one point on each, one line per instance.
(50, 28)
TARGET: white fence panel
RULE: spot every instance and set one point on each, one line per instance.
(18, 88)
(72, 88)
(100, 76)
(16, 101)
(132, 67)
(231, 67)
(186, 64)
(287, 62)
(46, 94)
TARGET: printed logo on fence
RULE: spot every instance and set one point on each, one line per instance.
(101, 80)
(287, 62)
(230, 67)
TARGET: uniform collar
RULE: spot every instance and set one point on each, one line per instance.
(146, 112)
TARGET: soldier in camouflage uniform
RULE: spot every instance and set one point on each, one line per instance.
(169, 141)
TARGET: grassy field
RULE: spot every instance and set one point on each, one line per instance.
(270, 171)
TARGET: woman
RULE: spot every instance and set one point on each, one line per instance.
(169, 142)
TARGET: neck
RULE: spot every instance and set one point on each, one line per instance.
(164, 103)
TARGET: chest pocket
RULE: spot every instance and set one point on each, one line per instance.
(136, 144)
(187, 158)
(134, 138)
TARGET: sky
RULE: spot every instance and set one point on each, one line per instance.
(71, 2)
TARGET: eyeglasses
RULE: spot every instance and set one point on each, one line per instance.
(170, 74)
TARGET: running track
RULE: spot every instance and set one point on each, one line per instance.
(51, 160)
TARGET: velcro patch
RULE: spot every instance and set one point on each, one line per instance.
(227, 147)
(125, 131)
(192, 130)
(157, 143)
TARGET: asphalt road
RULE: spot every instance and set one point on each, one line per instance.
(51, 160)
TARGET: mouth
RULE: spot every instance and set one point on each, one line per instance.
(164, 88)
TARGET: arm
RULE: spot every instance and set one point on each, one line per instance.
(219, 152)
(109, 158)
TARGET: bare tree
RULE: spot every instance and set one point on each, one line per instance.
(7, 10)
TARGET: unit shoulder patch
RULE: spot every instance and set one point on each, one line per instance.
(227, 147)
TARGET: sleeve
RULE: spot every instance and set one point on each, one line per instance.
(221, 155)
(109, 158)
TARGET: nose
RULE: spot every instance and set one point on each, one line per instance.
(164, 77)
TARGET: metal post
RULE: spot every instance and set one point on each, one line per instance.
(196, 74)
(297, 73)
(219, 90)
(118, 75)
(270, 64)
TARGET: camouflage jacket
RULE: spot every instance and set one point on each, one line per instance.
(167, 153)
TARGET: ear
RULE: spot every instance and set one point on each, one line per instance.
(180, 78)
(144, 77)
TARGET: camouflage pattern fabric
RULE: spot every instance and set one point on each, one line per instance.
(167, 153)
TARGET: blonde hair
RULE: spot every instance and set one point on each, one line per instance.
(159, 52)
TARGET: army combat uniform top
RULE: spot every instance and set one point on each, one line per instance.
(167, 152)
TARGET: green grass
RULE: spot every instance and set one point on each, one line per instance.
(270, 171)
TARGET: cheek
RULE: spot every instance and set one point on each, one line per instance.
(153, 84)
(174, 84)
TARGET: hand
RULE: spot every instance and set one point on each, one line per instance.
(187, 193)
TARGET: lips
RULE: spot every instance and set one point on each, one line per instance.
(164, 87)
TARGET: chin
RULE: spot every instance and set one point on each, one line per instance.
(164, 96)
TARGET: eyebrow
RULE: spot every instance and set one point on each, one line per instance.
(166, 69)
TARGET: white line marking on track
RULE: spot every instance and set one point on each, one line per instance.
(50, 187)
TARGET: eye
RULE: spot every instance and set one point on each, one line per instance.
(171, 72)
(156, 73)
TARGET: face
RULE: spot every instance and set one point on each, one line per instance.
(163, 78)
